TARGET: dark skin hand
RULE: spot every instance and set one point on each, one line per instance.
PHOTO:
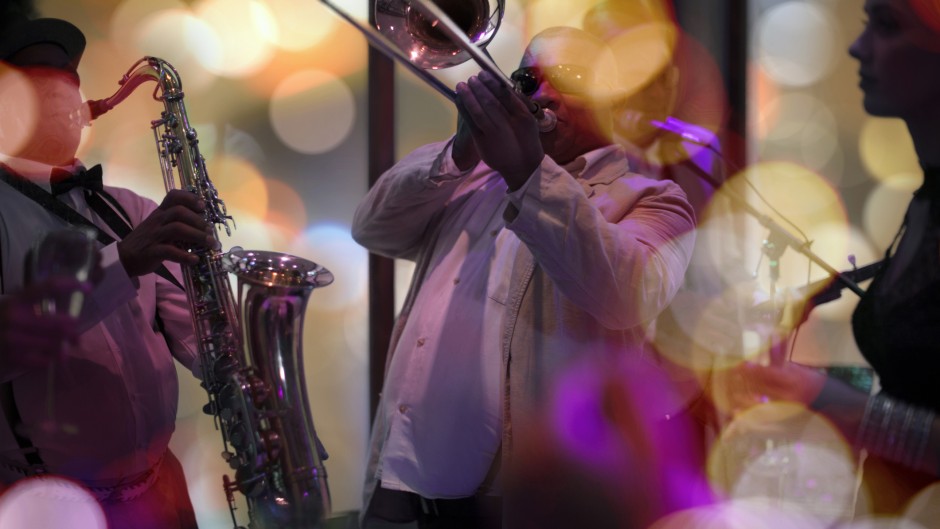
(464, 151)
(176, 224)
(31, 339)
(505, 134)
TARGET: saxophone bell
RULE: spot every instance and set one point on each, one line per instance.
(273, 290)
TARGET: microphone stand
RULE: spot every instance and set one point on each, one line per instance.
(779, 238)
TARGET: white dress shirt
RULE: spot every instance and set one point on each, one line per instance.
(443, 394)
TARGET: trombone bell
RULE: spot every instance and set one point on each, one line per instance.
(420, 39)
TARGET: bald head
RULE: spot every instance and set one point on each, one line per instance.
(571, 46)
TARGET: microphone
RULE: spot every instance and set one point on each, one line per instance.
(680, 128)
(675, 126)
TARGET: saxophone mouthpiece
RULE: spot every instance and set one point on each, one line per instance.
(93, 109)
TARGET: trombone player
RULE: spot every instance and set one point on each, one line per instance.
(533, 250)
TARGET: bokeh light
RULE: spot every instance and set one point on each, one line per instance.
(288, 212)
(131, 15)
(783, 453)
(245, 30)
(312, 111)
(331, 246)
(883, 522)
(596, 417)
(885, 207)
(240, 186)
(49, 502)
(542, 14)
(131, 157)
(924, 508)
(741, 514)
(198, 445)
(766, 92)
(642, 53)
(886, 148)
(301, 24)
(703, 333)
(180, 38)
(807, 203)
(251, 233)
(357, 341)
(805, 131)
(796, 42)
(19, 109)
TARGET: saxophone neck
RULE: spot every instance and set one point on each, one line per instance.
(169, 86)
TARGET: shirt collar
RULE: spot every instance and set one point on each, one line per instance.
(587, 162)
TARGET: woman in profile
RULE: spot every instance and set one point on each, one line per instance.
(897, 321)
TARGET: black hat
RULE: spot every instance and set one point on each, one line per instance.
(18, 33)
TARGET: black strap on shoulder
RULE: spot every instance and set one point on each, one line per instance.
(120, 226)
(115, 206)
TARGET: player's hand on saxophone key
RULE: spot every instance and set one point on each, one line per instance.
(177, 224)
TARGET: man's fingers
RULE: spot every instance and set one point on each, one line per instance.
(179, 197)
(464, 116)
(510, 100)
(166, 224)
(179, 232)
(183, 214)
(489, 103)
(171, 252)
(474, 112)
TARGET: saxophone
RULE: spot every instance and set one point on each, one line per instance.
(250, 352)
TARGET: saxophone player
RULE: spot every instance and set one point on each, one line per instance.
(92, 397)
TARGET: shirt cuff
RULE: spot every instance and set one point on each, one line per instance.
(516, 197)
(444, 169)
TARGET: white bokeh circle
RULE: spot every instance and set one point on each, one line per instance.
(312, 111)
(796, 43)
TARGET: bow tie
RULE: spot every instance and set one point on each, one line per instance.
(87, 178)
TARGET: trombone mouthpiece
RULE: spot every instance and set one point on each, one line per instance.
(546, 119)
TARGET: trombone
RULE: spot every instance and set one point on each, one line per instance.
(419, 35)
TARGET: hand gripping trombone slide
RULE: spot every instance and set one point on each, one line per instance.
(250, 353)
